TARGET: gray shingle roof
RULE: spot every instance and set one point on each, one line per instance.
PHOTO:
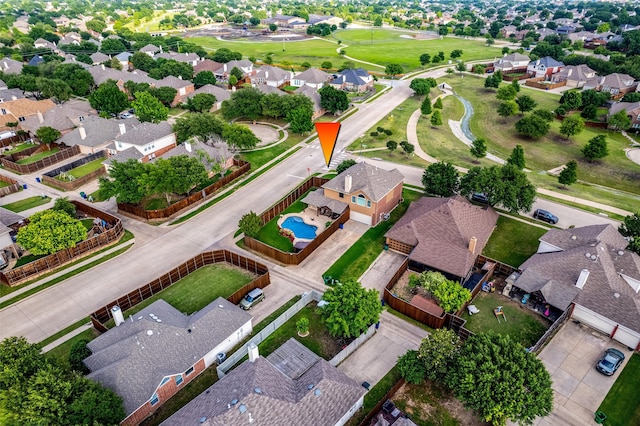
(150, 48)
(171, 81)
(313, 76)
(269, 73)
(267, 90)
(373, 182)
(440, 230)
(547, 62)
(98, 131)
(132, 361)
(272, 396)
(99, 57)
(626, 106)
(312, 94)
(142, 133)
(128, 154)
(180, 57)
(317, 198)
(10, 66)
(218, 92)
(8, 218)
(218, 152)
(555, 273)
(63, 117)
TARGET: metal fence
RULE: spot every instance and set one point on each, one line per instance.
(10, 164)
(50, 178)
(343, 354)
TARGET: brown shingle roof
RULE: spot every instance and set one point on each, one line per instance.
(373, 182)
(26, 107)
(206, 65)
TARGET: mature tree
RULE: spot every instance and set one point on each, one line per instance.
(479, 148)
(492, 82)
(441, 179)
(63, 204)
(232, 80)
(243, 103)
(407, 147)
(149, 108)
(630, 228)
(123, 181)
(571, 126)
(392, 145)
(450, 295)
(237, 73)
(420, 86)
(96, 25)
(516, 85)
(79, 351)
(239, 136)
(506, 93)
(425, 59)
(507, 109)
(204, 126)
(50, 231)
(438, 103)
(506, 185)
(55, 89)
(344, 165)
(525, 103)
(456, 53)
(517, 157)
(596, 99)
(305, 65)
(393, 70)
(619, 120)
(203, 78)
(532, 126)
(411, 367)
(571, 99)
(333, 100)
(436, 118)
(177, 175)
(545, 114)
(569, 175)
(596, 148)
(201, 102)
(300, 120)
(589, 112)
(164, 94)
(79, 80)
(492, 364)
(350, 309)
(425, 107)
(47, 135)
(108, 98)
(326, 65)
(112, 46)
(142, 61)
(629, 97)
(438, 352)
(250, 224)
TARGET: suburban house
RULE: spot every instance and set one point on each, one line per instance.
(588, 271)
(44, 44)
(150, 50)
(206, 65)
(99, 58)
(94, 134)
(513, 63)
(443, 234)
(17, 111)
(243, 65)
(71, 38)
(617, 85)
(189, 58)
(313, 77)
(183, 87)
(369, 192)
(209, 155)
(356, 80)
(271, 76)
(123, 58)
(64, 117)
(267, 90)
(575, 75)
(283, 20)
(566, 30)
(35, 61)
(10, 66)
(142, 142)
(292, 385)
(544, 32)
(148, 357)
(218, 92)
(312, 94)
(632, 110)
(9, 223)
(544, 67)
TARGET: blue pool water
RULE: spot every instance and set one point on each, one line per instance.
(299, 228)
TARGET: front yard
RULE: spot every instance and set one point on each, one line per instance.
(622, 403)
(513, 241)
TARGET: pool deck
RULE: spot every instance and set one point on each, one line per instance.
(309, 217)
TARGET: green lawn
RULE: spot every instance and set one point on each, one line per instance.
(355, 261)
(522, 325)
(149, 24)
(198, 289)
(97, 196)
(27, 203)
(38, 156)
(622, 403)
(270, 233)
(513, 241)
(19, 148)
(3, 184)
(60, 354)
(27, 259)
(260, 157)
(375, 394)
(85, 169)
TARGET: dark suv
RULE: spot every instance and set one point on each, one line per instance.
(545, 216)
(479, 197)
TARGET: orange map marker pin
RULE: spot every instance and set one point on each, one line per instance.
(328, 135)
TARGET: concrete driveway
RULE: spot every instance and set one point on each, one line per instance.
(578, 389)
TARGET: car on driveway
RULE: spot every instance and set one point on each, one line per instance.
(254, 296)
(479, 197)
(545, 216)
(610, 361)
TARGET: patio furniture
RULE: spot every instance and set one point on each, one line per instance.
(525, 298)
(472, 309)
(498, 312)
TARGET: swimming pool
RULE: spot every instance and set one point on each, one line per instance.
(299, 228)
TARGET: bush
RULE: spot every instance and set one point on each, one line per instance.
(79, 351)
(302, 325)
(250, 224)
(388, 132)
(373, 134)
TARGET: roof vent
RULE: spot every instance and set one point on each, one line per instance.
(202, 419)
(594, 257)
(310, 386)
(587, 255)
(620, 252)
(573, 237)
(140, 317)
(582, 278)
(616, 295)
(317, 393)
(242, 408)
(149, 332)
(220, 306)
(188, 330)
(234, 401)
(258, 390)
(158, 320)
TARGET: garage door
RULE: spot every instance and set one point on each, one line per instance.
(360, 217)
(627, 337)
(593, 319)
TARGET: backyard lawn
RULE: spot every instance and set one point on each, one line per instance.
(18, 148)
(523, 325)
(355, 261)
(622, 403)
(270, 233)
(38, 156)
(26, 203)
(513, 241)
(85, 169)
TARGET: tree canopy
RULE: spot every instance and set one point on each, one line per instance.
(350, 309)
(108, 98)
(525, 103)
(532, 126)
(123, 181)
(243, 103)
(517, 157)
(239, 136)
(596, 148)
(425, 107)
(393, 70)
(569, 175)
(571, 126)
(506, 185)
(149, 108)
(438, 352)
(478, 148)
(421, 86)
(48, 135)
(250, 224)
(344, 165)
(201, 102)
(50, 231)
(436, 118)
(440, 179)
(619, 120)
(333, 100)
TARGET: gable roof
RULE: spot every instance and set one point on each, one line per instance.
(606, 290)
(440, 229)
(26, 107)
(143, 133)
(8, 218)
(547, 62)
(150, 48)
(218, 92)
(35, 61)
(216, 152)
(576, 72)
(269, 73)
(206, 65)
(98, 131)
(356, 77)
(626, 106)
(172, 81)
(99, 57)
(62, 117)
(179, 57)
(373, 182)
(276, 394)
(618, 80)
(515, 57)
(313, 76)
(10, 66)
(133, 358)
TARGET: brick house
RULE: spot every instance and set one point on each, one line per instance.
(544, 67)
(617, 85)
(357, 80)
(632, 110)
(142, 142)
(313, 77)
(575, 76)
(18, 110)
(271, 76)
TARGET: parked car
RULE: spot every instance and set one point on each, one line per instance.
(610, 361)
(479, 197)
(545, 216)
(126, 115)
(253, 297)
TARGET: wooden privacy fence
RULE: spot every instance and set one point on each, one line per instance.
(102, 315)
(40, 164)
(290, 198)
(177, 208)
(14, 186)
(46, 264)
(538, 84)
(17, 156)
(11, 140)
(50, 177)
(367, 420)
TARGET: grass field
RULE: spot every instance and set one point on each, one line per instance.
(622, 403)
(39, 156)
(26, 203)
(513, 242)
(260, 157)
(149, 24)
(85, 169)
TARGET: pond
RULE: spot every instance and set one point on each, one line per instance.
(299, 228)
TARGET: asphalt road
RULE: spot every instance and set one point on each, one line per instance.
(59, 306)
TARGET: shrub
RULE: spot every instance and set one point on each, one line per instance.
(79, 351)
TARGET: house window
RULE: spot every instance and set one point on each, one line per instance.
(341, 194)
(81, 118)
(155, 399)
(4, 111)
(189, 371)
(21, 119)
(361, 201)
(165, 380)
(119, 145)
(179, 380)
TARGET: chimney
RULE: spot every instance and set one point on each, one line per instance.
(102, 66)
(6, 65)
(83, 133)
(224, 67)
(472, 244)
(266, 74)
(348, 180)
(187, 146)
(123, 129)
(40, 117)
(180, 77)
(253, 353)
(117, 315)
(582, 279)
(233, 88)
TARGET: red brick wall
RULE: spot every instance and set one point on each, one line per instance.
(388, 202)
(158, 153)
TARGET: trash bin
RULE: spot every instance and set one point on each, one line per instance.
(38, 180)
(83, 195)
(327, 279)
(341, 226)
(386, 246)
(24, 186)
(600, 417)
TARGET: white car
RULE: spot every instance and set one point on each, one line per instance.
(126, 115)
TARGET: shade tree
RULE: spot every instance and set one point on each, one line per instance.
(596, 148)
(109, 99)
(525, 103)
(350, 309)
(532, 126)
(440, 179)
(149, 108)
(568, 175)
(478, 148)
(50, 231)
(571, 126)
(517, 157)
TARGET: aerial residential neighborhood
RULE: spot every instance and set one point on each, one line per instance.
(309, 213)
